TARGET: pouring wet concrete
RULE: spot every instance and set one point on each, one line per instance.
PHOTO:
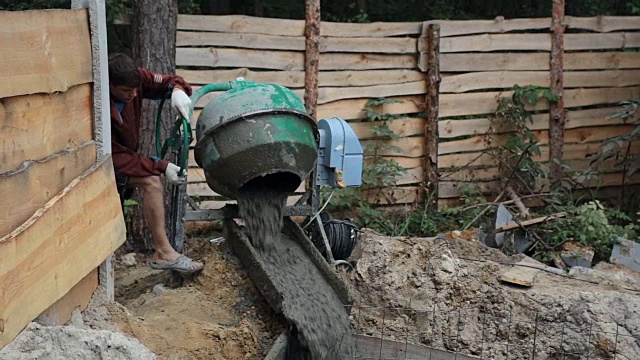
(291, 274)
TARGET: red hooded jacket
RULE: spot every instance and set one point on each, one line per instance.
(125, 126)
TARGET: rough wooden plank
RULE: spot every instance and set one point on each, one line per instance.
(62, 242)
(603, 23)
(275, 42)
(404, 147)
(49, 51)
(405, 162)
(575, 119)
(392, 196)
(571, 152)
(289, 60)
(492, 173)
(457, 83)
(255, 25)
(329, 94)
(35, 126)
(295, 79)
(539, 42)
(571, 136)
(537, 61)
(501, 25)
(530, 222)
(400, 127)
(352, 108)
(452, 189)
(497, 25)
(524, 275)
(77, 298)
(486, 102)
(28, 188)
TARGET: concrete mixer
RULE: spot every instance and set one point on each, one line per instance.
(261, 131)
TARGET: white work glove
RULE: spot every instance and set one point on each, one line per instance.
(172, 174)
(180, 101)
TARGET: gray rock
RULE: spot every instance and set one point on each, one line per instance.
(627, 253)
(129, 259)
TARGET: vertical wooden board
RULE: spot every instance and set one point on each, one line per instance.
(35, 126)
(44, 51)
(58, 246)
(30, 187)
(77, 298)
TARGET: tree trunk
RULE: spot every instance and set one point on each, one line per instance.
(312, 56)
(153, 27)
(557, 115)
(431, 33)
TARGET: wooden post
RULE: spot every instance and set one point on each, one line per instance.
(312, 56)
(101, 110)
(431, 33)
(557, 115)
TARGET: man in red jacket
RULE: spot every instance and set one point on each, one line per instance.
(128, 86)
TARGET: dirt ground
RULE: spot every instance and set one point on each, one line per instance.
(445, 293)
(217, 316)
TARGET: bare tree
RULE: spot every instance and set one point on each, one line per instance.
(153, 29)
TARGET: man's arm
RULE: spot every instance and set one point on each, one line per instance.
(131, 163)
(155, 86)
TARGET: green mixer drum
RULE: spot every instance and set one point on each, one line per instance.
(255, 130)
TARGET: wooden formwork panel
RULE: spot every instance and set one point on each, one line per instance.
(58, 246)
(44, 51)
(29, 187)
(35, 126)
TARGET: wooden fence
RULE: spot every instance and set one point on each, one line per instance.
(482, 64)
(61, 215)
(479, 62)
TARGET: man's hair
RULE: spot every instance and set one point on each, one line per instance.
(123, 71)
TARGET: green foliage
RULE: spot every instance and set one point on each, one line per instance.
(618, 147)
(515, 156)
(591, 225)
(128, 206)
(385, 10)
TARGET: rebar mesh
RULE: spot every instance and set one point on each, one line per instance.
(501, 337)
